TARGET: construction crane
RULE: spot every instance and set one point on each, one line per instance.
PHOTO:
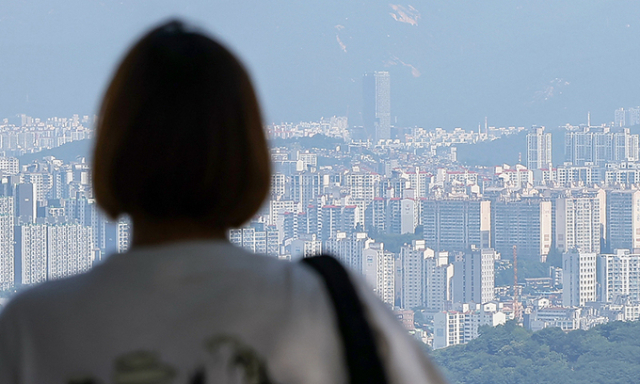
(516, 304)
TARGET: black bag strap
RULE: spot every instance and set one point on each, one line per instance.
(363, 361)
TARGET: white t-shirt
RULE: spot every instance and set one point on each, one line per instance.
(163, 314)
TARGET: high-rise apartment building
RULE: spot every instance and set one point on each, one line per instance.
(6, 242)
(461, 326)
(625, 146)
(401, 215)
(456, 224)
(634, 116)
(376, 215)
(69, 250)
(538, 149)
(376, 111)
(348, 248)
(578, 278)
(305, 246)
(123, 235)
(619, 117)
(438, 280)
(26, 209)
(258, 238)
(597, 146)
(379, 271)
(278, 182)
(623, 220)
(619, 276)
(30, 254)
(623, 173)
(580, 221)
(525, 223)
(412, 263)
(474, 277)
(420, 181)
(9, 165)
(304, 187)
(362, 185)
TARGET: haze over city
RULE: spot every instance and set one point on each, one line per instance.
(453, 63)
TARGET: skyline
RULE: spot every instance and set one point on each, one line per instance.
(452, 64)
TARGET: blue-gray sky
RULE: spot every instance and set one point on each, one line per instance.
(452, 62)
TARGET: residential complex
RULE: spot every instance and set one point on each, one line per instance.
(424, 232)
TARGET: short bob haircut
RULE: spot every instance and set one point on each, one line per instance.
(180, 135)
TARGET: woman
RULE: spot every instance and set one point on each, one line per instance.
(180, 149)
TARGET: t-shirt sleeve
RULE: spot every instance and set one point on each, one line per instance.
(405, 361)
(9, 348)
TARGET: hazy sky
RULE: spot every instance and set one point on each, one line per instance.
(452, 62)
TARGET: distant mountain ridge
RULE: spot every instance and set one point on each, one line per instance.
(67, 152)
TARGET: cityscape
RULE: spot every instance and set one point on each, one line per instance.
(449, 247)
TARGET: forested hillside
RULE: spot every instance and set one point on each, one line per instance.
(609, 353)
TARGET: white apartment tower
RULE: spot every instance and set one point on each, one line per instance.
(474, 277)
(599, 146)
(30, 254)
(379, 271)
(123, 235)
(438, 280)
(305, 246)
(538, 149)
(460, 327)
(620, 118)
(578, 278)
(412, 264)
(6, 242)
(580, 221)
(69, 250)
(348, 248)
(619, 276)
(362, 185)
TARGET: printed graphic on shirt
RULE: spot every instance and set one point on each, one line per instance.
(228, 360)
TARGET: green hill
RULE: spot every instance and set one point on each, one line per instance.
(508, 149)
(66, 152)
(509, 354)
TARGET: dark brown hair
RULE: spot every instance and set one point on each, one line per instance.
(180, 134)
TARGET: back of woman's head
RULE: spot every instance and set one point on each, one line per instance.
(180, 134)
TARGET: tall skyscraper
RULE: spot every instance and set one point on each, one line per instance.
(376, 111)
(538, 149)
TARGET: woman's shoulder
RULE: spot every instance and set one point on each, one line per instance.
(213, 264)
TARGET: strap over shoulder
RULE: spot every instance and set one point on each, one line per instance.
(361, 353)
